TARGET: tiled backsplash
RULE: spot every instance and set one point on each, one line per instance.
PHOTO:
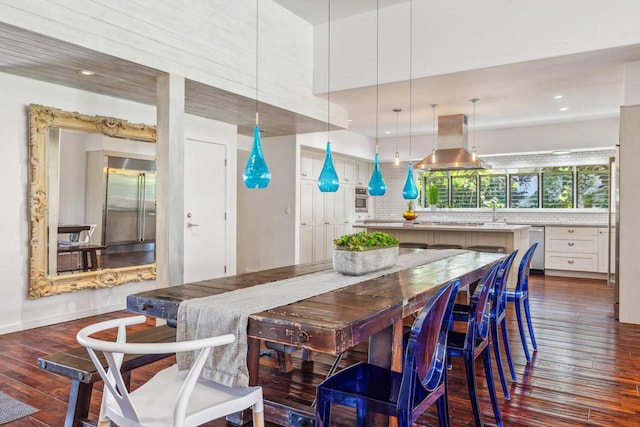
(391, 205)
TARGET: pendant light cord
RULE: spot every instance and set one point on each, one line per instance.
(410, 74)
(377, 67)
(257, 46)
(328, 67)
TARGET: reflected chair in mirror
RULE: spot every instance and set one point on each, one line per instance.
(372, 389)
(171, 397)
(520, 297)
(474, 342)
(497, 320)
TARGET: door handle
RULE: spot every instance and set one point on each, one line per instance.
(190, 224)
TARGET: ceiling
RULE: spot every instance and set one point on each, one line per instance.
(511, 95)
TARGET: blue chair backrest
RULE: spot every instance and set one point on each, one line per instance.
(424, 360)
(523, 272)
(478, 326)
(502, 277)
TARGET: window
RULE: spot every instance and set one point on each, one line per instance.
(441, 181)
(523, 190)
(557, 187)
(464, 189)
(493, 190)
(592, 186)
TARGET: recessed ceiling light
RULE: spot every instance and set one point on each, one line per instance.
(86, 72)
(564, 108)
(349, 120)
(557, 97)
(387, 132)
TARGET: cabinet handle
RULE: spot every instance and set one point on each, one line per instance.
(304, 223)
(326, 223)
(570, 261)
(570, 243)
(571, 230)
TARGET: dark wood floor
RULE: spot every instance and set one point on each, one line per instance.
(586, 372)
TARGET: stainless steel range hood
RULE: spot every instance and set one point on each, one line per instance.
(453, 148)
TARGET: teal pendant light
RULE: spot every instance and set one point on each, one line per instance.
(328, 181)
(256, 174)
(410, 191)
(377, 186)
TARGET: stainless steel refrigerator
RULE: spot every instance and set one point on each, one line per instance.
(130, 205)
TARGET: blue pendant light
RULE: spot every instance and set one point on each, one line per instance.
(256, 174)
(410, 191)
(377, 186)
(328, 181)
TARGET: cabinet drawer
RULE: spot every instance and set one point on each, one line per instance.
(581, 246)
(573, 262)
(567, 232)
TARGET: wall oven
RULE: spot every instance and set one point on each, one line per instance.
(362, 199)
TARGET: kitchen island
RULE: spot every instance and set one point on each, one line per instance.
(508, 236)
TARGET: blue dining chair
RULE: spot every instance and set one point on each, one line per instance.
(520, 296)
(475, 342)
(497, 320)
(406, 395)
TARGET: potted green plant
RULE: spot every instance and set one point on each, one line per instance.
(363, 252)
(432, 196)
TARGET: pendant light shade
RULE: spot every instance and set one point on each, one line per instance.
(410, 191)
(377, 187)
(256, 174)
(328, 181)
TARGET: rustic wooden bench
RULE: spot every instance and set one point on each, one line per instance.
(77, 365)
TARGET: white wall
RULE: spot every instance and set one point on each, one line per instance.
(18, 311)
(448, 37)
(267, 218)
(342, 141)
(212, 42)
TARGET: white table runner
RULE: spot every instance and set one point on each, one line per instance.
(229, 312)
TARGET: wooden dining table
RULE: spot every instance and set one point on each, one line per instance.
(333, 322)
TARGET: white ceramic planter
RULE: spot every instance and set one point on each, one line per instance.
(355, 263)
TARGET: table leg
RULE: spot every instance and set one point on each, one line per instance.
(85, 261)
(79, 401)
(94, 259)
(379, 355)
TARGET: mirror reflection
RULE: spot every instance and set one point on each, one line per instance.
(104, 191)
(91, 201)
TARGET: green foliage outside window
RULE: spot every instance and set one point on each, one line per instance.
(523, 190)
(557, 187)
(493, 190)
(593, 186)
(464, 189)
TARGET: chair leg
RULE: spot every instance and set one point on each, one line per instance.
(527, 312)
(258, 418)
(323, 411)
(470, 369)
(505, 340)
(496, 350)
(486, 358)
(362, 412)
(443, 411)
(521, 329)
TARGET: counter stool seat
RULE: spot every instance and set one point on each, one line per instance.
(492, 249)
(411, 245)
(445, 246)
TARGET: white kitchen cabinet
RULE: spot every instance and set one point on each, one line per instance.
(572, 248)
(603, 250)
(307, 165)
(306, 243)
(307, 189)
(363, 173)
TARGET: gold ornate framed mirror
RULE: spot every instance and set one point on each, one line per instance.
(44, 279)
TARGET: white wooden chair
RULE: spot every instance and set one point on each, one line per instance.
(172, 397)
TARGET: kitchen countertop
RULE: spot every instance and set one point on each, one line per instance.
(450, 226)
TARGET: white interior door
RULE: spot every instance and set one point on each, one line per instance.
(205, 183)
